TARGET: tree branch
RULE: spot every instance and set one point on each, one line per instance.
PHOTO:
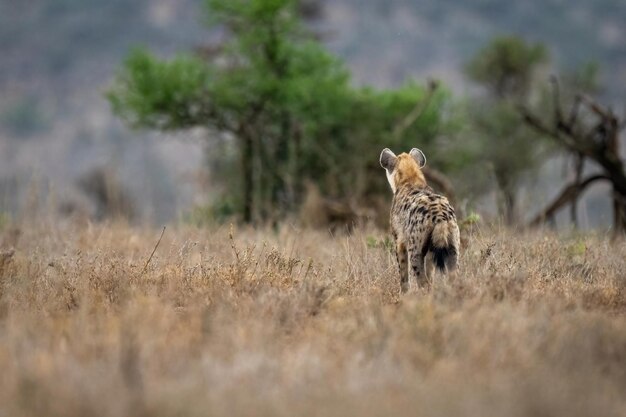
(441, 182)
(568, 139)
(417, 111)
(573, 114)
(569, 193)
(595, 107)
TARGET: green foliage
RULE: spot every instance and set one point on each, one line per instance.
(586, 78)
(251, 16)
(210, 214)
(506, 66)
(471, 219)
(582, 80)
(160, 94)
(375, 243)
(354, 124)
(288, 103)
(507, 144)
(576, 249)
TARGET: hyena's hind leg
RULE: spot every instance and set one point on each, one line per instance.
(401, 257)
(418, 270)
(429, 267)
(433, 273)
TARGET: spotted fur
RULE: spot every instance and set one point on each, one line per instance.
(423, 223)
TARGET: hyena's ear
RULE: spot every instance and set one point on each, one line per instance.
(419, 157)
(388, 159)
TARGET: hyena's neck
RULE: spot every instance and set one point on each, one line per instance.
(410, 187)
(410, 180)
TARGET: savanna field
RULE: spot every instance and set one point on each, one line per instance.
(291, 322)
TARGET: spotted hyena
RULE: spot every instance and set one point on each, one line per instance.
(423, 223)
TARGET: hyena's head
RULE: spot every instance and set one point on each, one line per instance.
(404, 168)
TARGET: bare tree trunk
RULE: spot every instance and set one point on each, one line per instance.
(247, 160)
(566, 196)
(281, 163)
(579, 164)
(619, 213)
(619, 193)
(508, 204)
(294, 183)
(510, 214)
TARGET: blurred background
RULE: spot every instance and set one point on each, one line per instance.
(194, 110)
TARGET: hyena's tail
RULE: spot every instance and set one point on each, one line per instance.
(444, 244)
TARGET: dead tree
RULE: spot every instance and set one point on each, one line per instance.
(595, 138)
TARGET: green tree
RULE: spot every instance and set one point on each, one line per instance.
(268, 74)
(507, 66)
(285, 102)
(506, 69)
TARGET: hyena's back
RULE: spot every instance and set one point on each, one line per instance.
(428, 223)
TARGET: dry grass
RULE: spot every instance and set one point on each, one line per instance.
(300, 323)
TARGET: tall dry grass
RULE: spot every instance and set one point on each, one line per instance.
(297, 322)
